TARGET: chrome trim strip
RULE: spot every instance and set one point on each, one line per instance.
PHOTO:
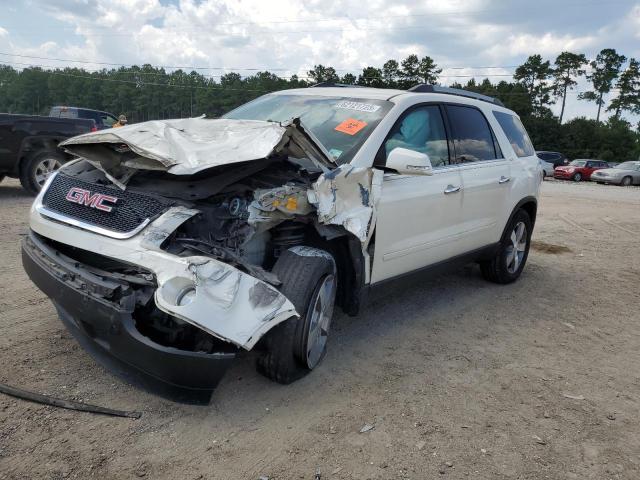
(44, 211)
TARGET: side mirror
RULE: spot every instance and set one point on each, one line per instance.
(408, 162)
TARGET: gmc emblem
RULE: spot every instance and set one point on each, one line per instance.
(97, 200)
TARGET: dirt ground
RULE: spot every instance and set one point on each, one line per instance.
(460, 378)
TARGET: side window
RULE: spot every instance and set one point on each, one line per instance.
(108, 120)
(544, 156)
(590, 164)
(421, 130)
(472, 137)
(516, 134)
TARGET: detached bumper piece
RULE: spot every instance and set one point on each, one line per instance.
(98, 310)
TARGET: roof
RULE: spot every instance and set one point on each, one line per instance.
(352, 92)
(388, 94)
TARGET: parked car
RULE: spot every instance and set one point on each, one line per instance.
(242, 233)
(547, 169)
(102, 119)
(625, 174)
(556, 158)
(580, 169)
(29, 146)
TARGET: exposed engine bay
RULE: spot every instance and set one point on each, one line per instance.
(209, 237)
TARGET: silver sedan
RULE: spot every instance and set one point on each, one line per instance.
(547, 168)
(626, 173)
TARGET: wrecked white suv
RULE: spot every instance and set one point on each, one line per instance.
(171, 246)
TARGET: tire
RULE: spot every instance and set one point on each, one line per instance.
(504, 268)
(37, 168)
(626, 181)
(577, 177)
(296, 346)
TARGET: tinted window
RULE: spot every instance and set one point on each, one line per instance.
(516, 134)
(472, 137)
(421, 130)
(545, 156)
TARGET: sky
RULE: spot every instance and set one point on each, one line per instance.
(467, 38)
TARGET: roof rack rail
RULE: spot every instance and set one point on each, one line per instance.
(426, 88)
(334, 84)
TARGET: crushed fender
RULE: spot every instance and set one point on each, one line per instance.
(348, 196)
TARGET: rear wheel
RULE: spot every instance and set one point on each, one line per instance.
(577, 177)
(296, 346)
(626, 181)
(511, 257)
(37, 168)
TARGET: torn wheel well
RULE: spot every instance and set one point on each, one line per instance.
(347, 252)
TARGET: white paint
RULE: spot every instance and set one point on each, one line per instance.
(187, 146)
(221, 305)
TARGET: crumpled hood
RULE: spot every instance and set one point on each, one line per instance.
(187, 146)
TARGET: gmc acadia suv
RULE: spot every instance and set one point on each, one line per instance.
(169, 247)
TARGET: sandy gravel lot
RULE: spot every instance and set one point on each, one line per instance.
(460, 378)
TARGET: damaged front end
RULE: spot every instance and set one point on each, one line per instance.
(157, 246)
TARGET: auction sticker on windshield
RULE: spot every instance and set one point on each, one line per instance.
(351, 126)
(360, 107)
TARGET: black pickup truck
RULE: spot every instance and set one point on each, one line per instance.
(29, 146)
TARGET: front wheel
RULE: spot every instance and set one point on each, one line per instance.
(577, 177)
(626, 181)
(297, 345)
(511, 257)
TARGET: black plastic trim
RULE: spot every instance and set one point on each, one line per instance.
(108, 332)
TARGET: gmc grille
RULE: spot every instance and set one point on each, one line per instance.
(129, 212)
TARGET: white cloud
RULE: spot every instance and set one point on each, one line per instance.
(290, 36)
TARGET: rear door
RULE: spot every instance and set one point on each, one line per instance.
(485, 173)
(418, 217)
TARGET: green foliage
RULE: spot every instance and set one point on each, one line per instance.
(146, 93)
(534, 75)
(605, 69)
(568, 66)
(629, 90)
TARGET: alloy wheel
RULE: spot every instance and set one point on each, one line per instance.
(45, 168)
(320, 313)
(517, 248)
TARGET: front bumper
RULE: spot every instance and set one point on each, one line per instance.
(106, 328)
(612, 180)
(562, 175)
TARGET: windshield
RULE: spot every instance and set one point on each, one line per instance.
(341, 124)
(578, 163)
(627, 166)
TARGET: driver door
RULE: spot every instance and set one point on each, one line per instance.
(419, 217)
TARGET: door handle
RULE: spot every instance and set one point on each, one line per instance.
(451, 189)
(504, 179)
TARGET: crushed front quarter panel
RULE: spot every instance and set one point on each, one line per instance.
(348, 196)
(227, 302)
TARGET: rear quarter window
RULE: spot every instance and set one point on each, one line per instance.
(516, 134)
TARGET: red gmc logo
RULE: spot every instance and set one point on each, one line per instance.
(97, 200)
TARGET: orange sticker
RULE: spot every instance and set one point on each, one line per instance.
(351, 126)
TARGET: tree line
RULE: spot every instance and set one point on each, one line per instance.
(147, 92)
